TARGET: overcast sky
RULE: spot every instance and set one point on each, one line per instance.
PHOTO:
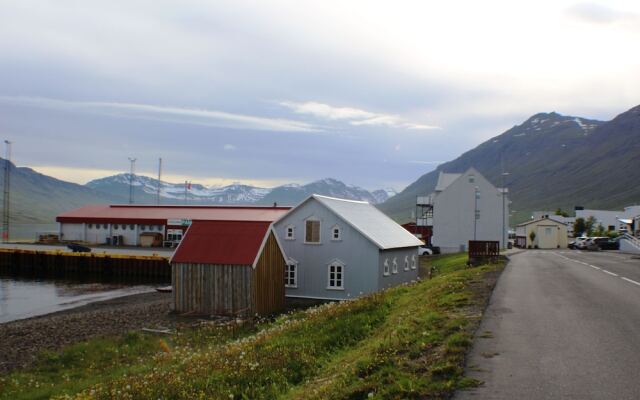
(268, 92)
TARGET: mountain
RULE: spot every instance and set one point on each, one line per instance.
(553, 161)
(145, 191)
(36, 198)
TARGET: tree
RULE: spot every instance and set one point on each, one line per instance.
(599, 231)
(589, 224)
(579, 227)
(532, 236)
(561, 213)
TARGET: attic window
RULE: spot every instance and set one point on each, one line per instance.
(336, 233)
(290, 232)
(312, 231)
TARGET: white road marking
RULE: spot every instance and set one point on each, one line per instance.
(593, 266)
(631, 281)
(609, 272)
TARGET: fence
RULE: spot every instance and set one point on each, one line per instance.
(481, 251)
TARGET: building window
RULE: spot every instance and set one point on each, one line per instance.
(406, 263)
(143, 227)
(547, 231)
(611, 228)
(336, 275)
(132, 227)
(336, 233)
(413, 262)
(394, 265)
(291, 274)
(124, 227)
(290, 232)
(312, 231)
(90, 226)
(386, 267)
(105, 226)
(115, 227)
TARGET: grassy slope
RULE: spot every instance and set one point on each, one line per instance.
(407, 342)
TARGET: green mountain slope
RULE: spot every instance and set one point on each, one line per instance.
(554, 161)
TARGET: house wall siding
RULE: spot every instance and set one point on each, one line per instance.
(359, 255)
(268, 282)
(454, 213)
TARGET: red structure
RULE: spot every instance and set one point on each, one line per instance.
(421, 232)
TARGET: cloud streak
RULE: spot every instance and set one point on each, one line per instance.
(354, 116)
(182, 115)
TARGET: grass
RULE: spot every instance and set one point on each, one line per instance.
(406, 342)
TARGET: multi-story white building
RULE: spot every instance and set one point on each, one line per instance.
(612, 220)
(468, 207)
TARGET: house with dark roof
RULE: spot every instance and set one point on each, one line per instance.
(340, 249)
(228, 268)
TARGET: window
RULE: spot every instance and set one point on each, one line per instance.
(413, 262)
(90, 226)
(143, 227)
(472, 178)
(312, 231)
(547, 231)
(336, 233)
(115, 227)
(395, 265)
(386, 267)
(291, 274)
(105, 226)
(611, 228)
(406, 263)
(124, 227)
(336, 275)
(290, 232)
(132, 227)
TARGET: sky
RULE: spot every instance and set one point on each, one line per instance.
(373, 93)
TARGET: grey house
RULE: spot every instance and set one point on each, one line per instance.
(468, 207)
(339, 249)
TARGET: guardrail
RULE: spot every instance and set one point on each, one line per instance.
(632, 239)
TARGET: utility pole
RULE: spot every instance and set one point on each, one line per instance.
(159, 180)
(476, 214)
(133, 168)
(187, 186)
(7, 193)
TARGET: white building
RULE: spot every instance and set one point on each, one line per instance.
(611, 220)
(568, 221)
(468, 207)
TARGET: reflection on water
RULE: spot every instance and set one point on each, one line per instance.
(23, 297)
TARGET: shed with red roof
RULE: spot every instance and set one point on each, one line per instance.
(228, 268)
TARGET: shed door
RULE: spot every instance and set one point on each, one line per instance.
(547, 237)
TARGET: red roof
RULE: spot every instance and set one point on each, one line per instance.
(222, 242)
(149, 214)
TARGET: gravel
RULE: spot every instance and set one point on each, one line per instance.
(22, 340)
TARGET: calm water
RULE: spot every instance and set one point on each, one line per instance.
(27, 297)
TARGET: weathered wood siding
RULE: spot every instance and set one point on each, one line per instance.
(212, 289)
(268, 289)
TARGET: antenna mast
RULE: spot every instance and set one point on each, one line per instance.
(133, 168)
(7, 193)
(159, 180)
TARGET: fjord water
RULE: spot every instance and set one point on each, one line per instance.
(24, 297)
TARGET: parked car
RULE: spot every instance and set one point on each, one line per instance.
(578, 242)
(424, 251)
(78, 248)
(593, 243)
(608, 243)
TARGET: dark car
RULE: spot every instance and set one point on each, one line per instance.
(78, 248)
(607, 244)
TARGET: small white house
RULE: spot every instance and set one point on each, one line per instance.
(549, 234)
(468, 207)
(339, 249)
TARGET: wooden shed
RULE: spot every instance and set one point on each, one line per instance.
(228, 268)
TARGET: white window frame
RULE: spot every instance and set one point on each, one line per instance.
(413, 261)
(293, 232)
(319, 230)
(337, 264)
(394, 265)
(406, 263)
(291, 263)
(386, 271)
(333, 231)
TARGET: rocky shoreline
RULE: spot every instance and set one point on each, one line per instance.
(22, 340)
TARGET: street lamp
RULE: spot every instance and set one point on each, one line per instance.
(133, 167)
(476, 213)
(504, 222)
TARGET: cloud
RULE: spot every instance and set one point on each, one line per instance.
(354, 116)
(182, 115)
(229, 147)
(600, 13)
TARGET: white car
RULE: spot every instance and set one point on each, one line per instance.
(580, 242)
(424, 251)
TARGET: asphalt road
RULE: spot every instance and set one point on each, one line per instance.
(98, 250)
(561, 325)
